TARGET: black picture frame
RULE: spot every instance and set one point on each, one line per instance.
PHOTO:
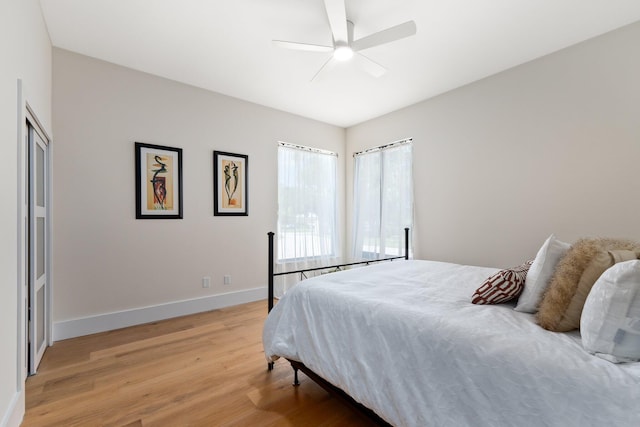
(158, 181)
(230, 184)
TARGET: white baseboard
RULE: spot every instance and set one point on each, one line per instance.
(121, 319)
(15, 412)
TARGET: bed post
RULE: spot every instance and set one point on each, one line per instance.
(270, 283)
(406, 243)
(270, 263)
(296, 382)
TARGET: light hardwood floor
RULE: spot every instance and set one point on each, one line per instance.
(206, 369)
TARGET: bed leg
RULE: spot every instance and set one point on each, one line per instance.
(295, 377)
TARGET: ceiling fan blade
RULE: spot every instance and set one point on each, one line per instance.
(337, 14)
(385, 36)
(327, 65)
(302, 46)
(369, 65)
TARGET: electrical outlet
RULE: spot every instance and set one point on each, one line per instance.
(206, 282)
(227, 279)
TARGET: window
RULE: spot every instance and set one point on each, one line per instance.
(306, 203)
(383, 200)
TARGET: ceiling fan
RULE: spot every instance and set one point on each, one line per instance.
(344, 47)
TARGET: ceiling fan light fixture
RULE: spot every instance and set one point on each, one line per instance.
(342, 53)
(344, 48)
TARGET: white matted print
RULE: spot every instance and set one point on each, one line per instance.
(158, 182)
(230, 184)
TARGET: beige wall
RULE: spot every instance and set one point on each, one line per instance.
(552, 146)
(107, 261)
(25, 50)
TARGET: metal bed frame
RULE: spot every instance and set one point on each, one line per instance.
(299, 366)
(336, 267)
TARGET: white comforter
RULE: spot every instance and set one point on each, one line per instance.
(403, 339)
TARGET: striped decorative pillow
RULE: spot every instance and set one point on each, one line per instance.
(503, 286)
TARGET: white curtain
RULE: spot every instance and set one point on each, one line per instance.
(307, 219)
(383, 201)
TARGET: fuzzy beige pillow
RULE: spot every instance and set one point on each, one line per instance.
(574, 277)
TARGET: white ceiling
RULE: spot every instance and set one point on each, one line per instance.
(225, 46)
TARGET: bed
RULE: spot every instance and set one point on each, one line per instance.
(403, 340)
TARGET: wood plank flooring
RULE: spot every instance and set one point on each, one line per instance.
(206, 369)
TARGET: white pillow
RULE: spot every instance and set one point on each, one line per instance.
(610, 322)
(540, 273)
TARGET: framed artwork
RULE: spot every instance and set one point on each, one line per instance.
(158, 182)
(230, 184)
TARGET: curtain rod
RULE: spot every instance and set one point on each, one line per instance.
(304, 148)
(384, 147)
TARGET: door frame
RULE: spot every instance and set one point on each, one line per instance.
(26, 112)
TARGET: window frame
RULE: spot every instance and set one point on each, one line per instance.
(381, 239)
(333, 233)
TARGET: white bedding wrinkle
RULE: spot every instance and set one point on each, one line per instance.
(403, 339)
